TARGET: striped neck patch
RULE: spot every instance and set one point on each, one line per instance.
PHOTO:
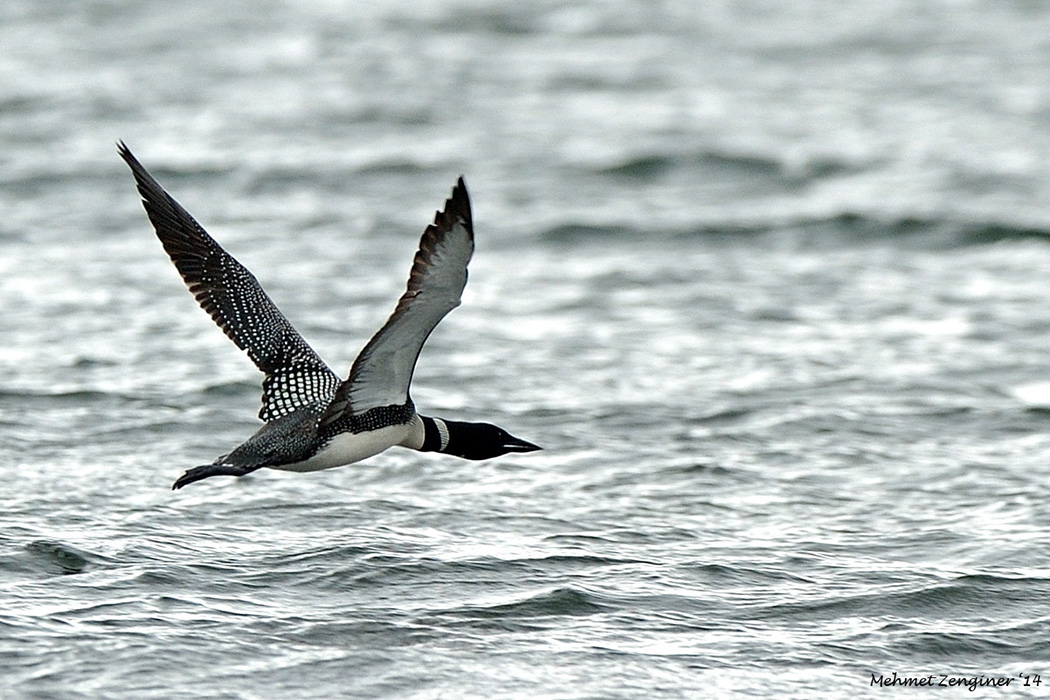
(435, 435)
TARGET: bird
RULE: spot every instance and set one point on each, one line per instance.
(312, 419)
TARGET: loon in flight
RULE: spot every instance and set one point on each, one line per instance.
(312, 419)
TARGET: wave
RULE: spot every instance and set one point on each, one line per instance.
(726, 164)
(58, 557)
(557, 602)
(75, 396)
(840, 229)
(967, 596)
(651, 166)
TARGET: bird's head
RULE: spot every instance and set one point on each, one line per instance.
(482, 441)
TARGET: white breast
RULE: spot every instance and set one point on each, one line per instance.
(348, 448)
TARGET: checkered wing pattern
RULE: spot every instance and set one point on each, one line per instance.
(295, 375)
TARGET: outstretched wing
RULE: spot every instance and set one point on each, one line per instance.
(295, 375)
(381, 374)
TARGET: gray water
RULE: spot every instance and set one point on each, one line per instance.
(767, 281)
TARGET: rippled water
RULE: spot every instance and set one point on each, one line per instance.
(768, 283)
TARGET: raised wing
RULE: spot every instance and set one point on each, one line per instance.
(381, 374)
(295, 375)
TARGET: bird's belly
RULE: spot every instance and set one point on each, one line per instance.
(348, 448)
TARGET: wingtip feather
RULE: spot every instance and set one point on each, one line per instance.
(124, 152)
(458, 204)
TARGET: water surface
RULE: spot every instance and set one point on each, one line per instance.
(768, 284)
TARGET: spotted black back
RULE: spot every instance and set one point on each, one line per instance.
(295, 375)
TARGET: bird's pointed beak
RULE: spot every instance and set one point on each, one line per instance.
(513, 444)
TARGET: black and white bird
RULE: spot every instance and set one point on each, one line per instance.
(312, 419)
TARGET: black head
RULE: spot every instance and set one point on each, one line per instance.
(482, 441)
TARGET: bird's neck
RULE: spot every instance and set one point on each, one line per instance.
(435, 435)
